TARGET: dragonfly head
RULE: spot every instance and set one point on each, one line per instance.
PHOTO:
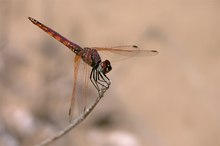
(105, 66)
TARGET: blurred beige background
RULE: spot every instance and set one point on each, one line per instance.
(171, 99)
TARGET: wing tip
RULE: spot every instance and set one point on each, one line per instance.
(135, 46)
(70, 115)
(155, 51)
(70, 111)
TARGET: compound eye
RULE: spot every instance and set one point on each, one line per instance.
(107, 66)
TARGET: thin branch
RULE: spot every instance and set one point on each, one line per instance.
(73, 124)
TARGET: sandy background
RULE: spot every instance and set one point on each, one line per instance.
(171, 99)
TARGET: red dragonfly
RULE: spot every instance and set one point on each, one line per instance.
(91, 57)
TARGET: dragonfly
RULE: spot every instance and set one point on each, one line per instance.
(91, 56)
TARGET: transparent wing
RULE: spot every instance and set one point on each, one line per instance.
(83, 90)
(124, 52)
(83, 87)
(77, 60)
(127, 50)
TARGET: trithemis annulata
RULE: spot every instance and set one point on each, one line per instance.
(91, 57)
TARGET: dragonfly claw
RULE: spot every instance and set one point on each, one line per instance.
(103, 89)
(109, 83)
(100, 92)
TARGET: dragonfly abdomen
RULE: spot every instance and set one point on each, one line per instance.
(72, 46)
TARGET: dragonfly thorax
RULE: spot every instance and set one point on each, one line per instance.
(105, 67)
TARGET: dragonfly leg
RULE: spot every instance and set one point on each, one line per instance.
(101, 81)
(97, 82)
(97, 79)
(105, 80)
(108, 82)
(92, 79)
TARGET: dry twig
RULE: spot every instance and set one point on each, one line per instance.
(73, 124)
